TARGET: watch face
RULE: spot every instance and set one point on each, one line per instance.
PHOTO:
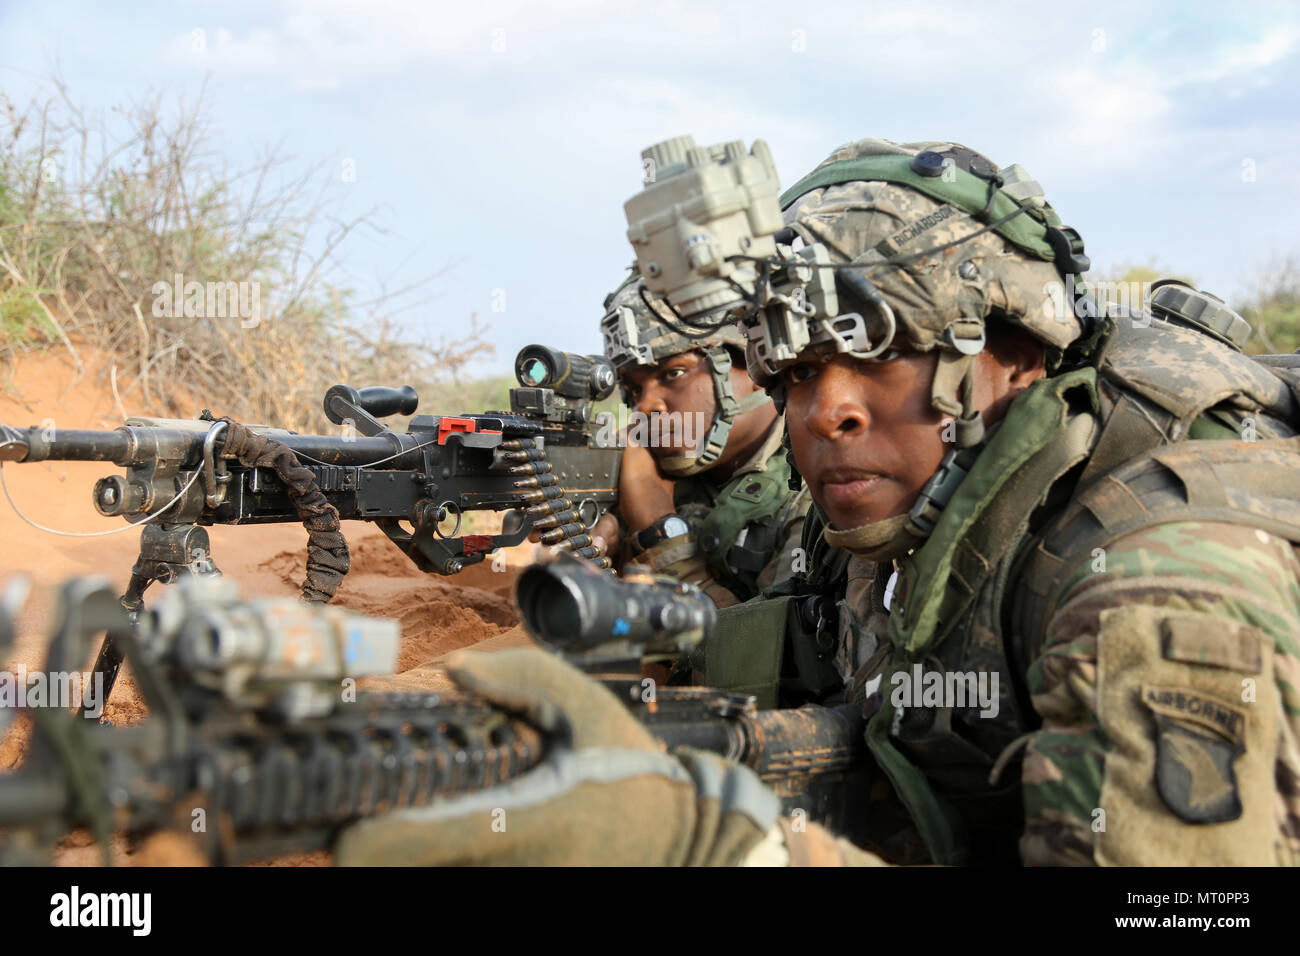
(673, 526)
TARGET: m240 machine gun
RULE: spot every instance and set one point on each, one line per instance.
(545, 463)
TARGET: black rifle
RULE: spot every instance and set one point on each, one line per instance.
(271, 758)
(542, 462)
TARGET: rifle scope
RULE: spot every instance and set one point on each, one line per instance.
(571, 605)
(566, 373)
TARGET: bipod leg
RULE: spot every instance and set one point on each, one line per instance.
(165, 554)
(109, 660)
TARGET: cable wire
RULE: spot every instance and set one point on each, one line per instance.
(91, 534)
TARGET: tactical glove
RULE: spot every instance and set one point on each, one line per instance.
(606, 794)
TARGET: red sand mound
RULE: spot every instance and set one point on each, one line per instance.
(437, 614)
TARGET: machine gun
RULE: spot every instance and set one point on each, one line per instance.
(251, 728)
(542, 462)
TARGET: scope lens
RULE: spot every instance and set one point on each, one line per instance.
(535, 371)
(549, 608)
(559, 617)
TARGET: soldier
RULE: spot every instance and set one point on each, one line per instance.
(705, 491)
(1053, 554)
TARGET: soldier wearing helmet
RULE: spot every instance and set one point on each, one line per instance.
(705, 493)
(1009, 482)
(1053, 548)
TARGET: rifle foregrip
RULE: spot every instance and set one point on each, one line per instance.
(774, 743)
(810, 739)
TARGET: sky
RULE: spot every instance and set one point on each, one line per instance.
(498, 140)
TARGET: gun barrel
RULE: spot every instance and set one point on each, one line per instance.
(63, 444)
(136, 444)
(335, 450)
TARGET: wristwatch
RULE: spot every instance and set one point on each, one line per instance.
(669, 526)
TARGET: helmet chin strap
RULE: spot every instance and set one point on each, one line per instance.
(878, 541)
(728, 410)
(953, 390)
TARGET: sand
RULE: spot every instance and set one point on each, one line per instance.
(437, 614)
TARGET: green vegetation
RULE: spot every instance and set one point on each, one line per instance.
(1274, 310)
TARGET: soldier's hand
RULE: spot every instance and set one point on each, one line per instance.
(606, 794)
(605, 534)
(644, 495)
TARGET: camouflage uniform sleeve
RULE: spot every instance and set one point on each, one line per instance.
(1167, 686)
(784, 562)
(681, 557)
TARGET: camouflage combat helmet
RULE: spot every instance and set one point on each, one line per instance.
(941, 241)
(937, 241)
(640, 330)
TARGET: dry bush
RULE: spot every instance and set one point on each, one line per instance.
(98, 218)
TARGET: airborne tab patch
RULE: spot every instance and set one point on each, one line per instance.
(1198, 739)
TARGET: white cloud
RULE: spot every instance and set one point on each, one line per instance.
(329, 42)
(1235, 59)
(514, 165)
(1102, 120)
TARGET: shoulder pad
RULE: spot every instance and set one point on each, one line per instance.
(1186, 372)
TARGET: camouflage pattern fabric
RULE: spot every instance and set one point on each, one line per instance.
(634, 335)
(1147, 711)
(1169, 695)
(1165, 693)
(867, 223)
(1168, 674)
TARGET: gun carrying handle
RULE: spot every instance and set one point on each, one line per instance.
(382, 402)
(364, 408)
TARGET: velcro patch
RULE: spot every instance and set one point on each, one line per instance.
(1195, 774)
(751, 490)
(1201, 639)
(1198, 740)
